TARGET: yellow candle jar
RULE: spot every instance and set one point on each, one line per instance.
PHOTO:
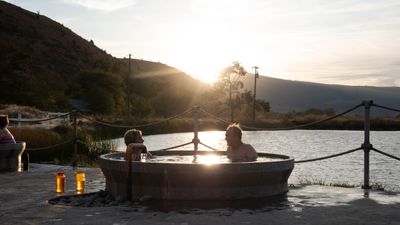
(60, 182)
(80, 181)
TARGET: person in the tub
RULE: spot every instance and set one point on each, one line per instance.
(237, 150)
(134, 145)
(5, 135)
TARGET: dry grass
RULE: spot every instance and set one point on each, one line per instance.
(63, 154)
(314, 181)
(26, 111)
(36, 137)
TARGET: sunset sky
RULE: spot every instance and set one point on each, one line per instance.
(353, 42)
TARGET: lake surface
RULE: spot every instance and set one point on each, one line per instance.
(307, 144)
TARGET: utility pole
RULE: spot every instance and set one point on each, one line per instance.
(230, 99)
(254, 99)
(129, 87)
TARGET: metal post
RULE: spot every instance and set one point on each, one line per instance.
(129, 87)
(254, 98)
(25, 161)
(230, 99)
(74, 140)
(366, 145)
(48, 122)
(196, 140)
(19, 118)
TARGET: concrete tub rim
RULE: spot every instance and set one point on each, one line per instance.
(284, 158)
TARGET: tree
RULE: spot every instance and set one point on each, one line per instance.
(229, 84)
(142, 107)
(264, 105)
(244, 102)
(102, 91)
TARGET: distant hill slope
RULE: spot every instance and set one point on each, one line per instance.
(285, 95)
(38, 57)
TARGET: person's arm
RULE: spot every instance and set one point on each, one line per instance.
(144, 150)
(133, 151)
(251, 153)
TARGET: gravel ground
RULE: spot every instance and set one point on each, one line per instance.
(30, 198)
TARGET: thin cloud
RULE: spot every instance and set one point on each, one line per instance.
(102, 5)
(372, 79)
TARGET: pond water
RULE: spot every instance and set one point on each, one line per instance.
(308, 144)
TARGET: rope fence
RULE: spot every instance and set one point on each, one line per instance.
(48, 147)
(366, 146)
(138, 125)
(385, 107)
(328, 157)
(386, 154)
(215, 117)
(287, 128)
(207, 146)
(174, 147)
(38, 120)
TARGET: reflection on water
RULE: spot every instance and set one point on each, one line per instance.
(307, 144)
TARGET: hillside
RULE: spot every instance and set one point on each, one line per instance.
(286, 95)
(39, 58)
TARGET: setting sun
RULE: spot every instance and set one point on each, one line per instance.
(204, 45)
(201, 55)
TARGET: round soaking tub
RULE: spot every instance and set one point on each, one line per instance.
(178, 175)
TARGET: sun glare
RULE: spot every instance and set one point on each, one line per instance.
(199, 64)
(202, 51)
(212, 138)
(208, 159)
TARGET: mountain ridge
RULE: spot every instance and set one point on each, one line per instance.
(287, 95)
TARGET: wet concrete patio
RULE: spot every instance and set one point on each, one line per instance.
(24, 200)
